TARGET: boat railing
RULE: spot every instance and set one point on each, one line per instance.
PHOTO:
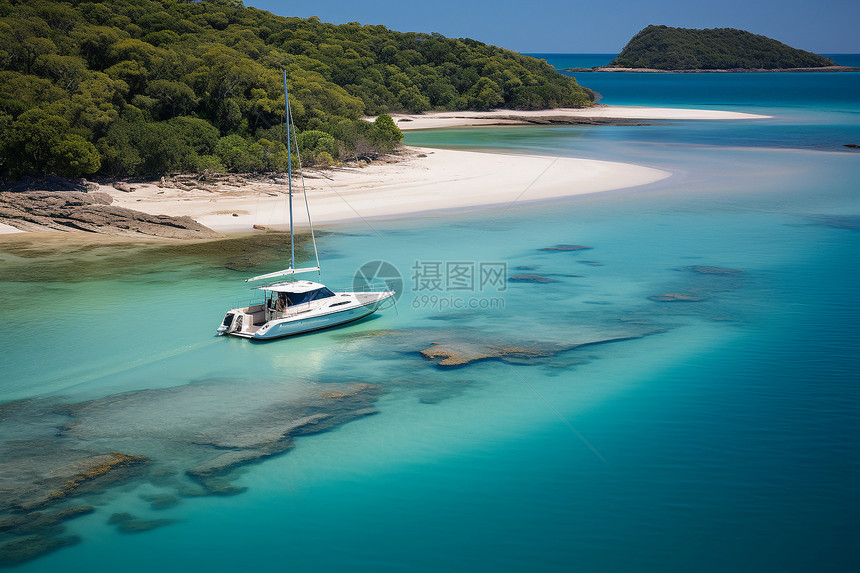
(246, 304)
(369, 287)
(292, 310)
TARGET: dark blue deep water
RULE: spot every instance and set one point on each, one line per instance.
(726, 439)
(823, 90)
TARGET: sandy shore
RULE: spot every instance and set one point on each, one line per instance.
(435, 120)
(420, 180)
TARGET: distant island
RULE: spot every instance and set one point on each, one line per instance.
(661, 48)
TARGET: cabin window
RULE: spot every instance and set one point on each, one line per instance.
(300, 297)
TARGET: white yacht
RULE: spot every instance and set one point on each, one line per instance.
(295, 306)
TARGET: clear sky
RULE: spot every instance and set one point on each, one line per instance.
(574, 26)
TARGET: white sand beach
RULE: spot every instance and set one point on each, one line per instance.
(420, 180)
(436, 120)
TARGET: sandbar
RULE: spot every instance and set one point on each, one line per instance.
(443, 119)
(416, 180)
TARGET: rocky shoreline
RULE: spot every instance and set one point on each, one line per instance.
(56, 204)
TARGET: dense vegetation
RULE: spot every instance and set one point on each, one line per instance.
(144, 87)
(665, 48)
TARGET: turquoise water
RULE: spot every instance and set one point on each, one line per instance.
(725, 437)
(717, 91)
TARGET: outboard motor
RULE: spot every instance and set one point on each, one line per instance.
(228, 325)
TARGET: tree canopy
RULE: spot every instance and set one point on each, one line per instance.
(145, 87)
(665, 48)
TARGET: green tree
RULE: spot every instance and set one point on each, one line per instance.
(132, 73)
(119, 147)
(385, 133)
(95, 42)
(317, 147)
(198, 133)
(413, 100)
(485, 94)
(164, 149)
(173, 98)
(67, 72)
(41, 143)
(25, 39)
(268, 155)
(75, 156)
(20, 92)
(314, 140)
(234, 152)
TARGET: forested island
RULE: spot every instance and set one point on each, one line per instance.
(686, 49)
(665, 48)
(147, 87)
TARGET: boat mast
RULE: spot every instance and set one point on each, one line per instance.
(293, 270)
(289, 173)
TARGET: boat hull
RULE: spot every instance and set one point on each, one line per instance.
(299, 325)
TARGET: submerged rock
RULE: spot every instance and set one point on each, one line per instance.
(531, 279)
(220, 486)
(460, 354)
(674, 297)
(455, 316)
(128, 523)
(849, 222)
(161, 500)
(566, 248)
(28, 548)
(214, 441)
(440, 393)
(225, 463)
(470, 348)
(706, 270)
(142, 525)
(447, 348)
(94, 468)
(119, 518)
(40, 474)
(41, 523)
(51, 452)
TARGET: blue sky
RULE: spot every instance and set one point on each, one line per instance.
(823, 26)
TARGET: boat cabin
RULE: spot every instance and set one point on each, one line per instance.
(280, 296)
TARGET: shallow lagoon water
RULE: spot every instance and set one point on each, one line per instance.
(727, 438)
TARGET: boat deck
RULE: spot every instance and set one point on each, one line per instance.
(247, 332)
